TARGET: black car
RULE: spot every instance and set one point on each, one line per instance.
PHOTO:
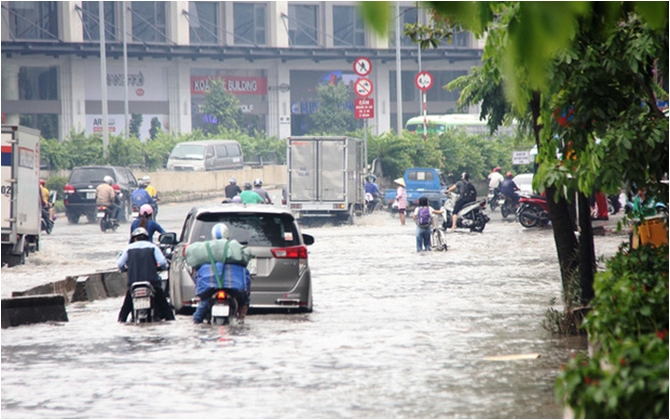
(80, 191)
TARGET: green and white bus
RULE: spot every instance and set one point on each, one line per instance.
(441, 123)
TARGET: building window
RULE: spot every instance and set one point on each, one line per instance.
(348, 27)
(302, 25)
(38, 83)
(407, 15)
(203, 19)
(89, 18)
(33, 19)
(149, 21)
(250, 23)
(46, 123)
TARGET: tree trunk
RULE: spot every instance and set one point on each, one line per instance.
(587, 255)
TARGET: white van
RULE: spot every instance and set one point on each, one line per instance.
(206, 155)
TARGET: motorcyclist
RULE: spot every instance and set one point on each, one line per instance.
(250, 197)
(233, 276)
(106, 196)
(141, 196)
(495, 178)
(509, 188)
(467, 194)
(232, 189)
(146, 184)
(144, 220)
(47, 206)
(141, 259)
(258, 189)
(373, 189)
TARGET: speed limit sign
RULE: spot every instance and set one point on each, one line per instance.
(424, 80)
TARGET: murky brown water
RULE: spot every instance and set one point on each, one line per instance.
(393, 334)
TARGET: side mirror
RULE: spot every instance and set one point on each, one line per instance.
(308, 239)
(168, 238)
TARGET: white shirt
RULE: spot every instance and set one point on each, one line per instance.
(495, 178)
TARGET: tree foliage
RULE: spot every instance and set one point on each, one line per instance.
(223, 106)
(332, 117)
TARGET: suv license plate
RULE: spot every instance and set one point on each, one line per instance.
(220, 310)
(90, 195)
(252, 266)
(143, 303)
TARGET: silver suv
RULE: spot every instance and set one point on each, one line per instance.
(280, 274)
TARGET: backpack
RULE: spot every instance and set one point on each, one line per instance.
(470, 191)
(423, 217)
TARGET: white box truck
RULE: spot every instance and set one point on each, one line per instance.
(21, 203)
(326, 177)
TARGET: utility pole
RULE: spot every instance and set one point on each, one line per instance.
(398, 71)
(103, 78)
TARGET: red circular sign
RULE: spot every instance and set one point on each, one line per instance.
(363, 87)
(139, 92)
(362, 66)
(424, 80)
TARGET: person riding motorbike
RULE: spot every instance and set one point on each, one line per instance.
(106, 196)
(144, 220)
(141, 259)
(250, 197)
(495, 178)
(258, 189)
(141, 196)
(232, 189)
(508, 188)
(47, 206)
(373, 189)
(235, 276)
(467, 193)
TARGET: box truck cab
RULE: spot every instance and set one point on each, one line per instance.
(206, 155)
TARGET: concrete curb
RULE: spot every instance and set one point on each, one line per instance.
(47, 302)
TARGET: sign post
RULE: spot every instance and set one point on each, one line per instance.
(364, 106)
(424, 81)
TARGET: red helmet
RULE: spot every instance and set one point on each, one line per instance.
(508, 174)
(42, 183)
(497, 169)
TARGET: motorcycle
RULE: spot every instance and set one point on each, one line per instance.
(438, 234)
(494, 199)
(47, 224)
(142, 293)
(507, 206)
(471, 216)
(107, 222)
(533, 211)
(222, 307)
(372, 205)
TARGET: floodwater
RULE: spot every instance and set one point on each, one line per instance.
(394, 334)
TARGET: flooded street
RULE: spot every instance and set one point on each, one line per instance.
(394, 334)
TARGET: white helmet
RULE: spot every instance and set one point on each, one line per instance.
(220, 231)
(232, 181)
(258, 182)
(146, 179)
(108, 180)
(140, 231)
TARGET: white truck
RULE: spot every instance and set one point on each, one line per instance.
(21, 202)
(326, 177)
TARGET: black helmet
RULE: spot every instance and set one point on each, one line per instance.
(465, 176)
(247, 185)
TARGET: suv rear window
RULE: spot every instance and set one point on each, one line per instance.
(90, 175)
(252, 229)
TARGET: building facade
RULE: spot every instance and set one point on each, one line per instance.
(271, 55)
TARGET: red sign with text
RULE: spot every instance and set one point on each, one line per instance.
(237, 85)
(364, 108)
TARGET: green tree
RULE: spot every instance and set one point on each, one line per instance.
(223, 106)
(135, 124)
(333, 117)
(156, 127)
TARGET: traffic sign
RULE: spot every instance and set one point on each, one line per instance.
(424, 80)
(362, 66)
(364, 108)
(520, 158)
(363, 87)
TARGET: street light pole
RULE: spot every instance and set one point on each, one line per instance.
(103, 77)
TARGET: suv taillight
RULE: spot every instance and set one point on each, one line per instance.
(291, 252)
(68, 189)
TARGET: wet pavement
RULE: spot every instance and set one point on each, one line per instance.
(394, 334)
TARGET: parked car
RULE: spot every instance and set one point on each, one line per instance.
(206, 155)
(79, 191)
(280, 273)
(525, 184)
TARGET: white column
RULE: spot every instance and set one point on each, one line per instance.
(279, 101)
(178, 27)
(277, 25)
(382, 97)
(10, 88)
(71, 28)
(179, 96)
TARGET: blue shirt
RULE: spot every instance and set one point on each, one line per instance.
(151, 227)
(372, 188)
(140, 196)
